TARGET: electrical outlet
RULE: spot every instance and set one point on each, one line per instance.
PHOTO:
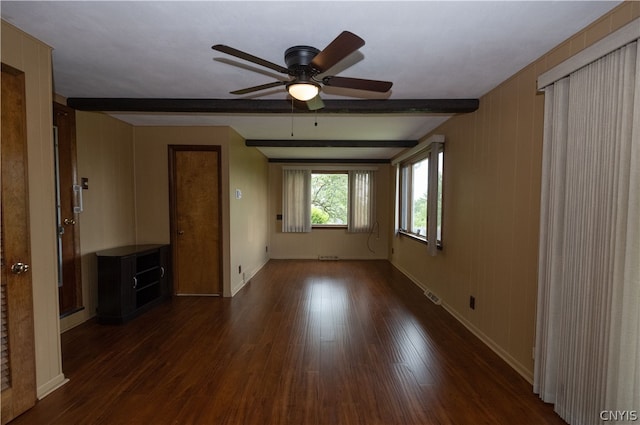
(472, 302)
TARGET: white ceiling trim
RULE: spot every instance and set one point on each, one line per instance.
(420, 147)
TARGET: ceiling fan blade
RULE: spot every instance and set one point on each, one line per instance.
(315, 103)
(343, 45)
(310, 105)
(260, 87)
(358, 84)
(248, 57)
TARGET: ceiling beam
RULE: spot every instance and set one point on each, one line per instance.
(253, 106)
(331, 143)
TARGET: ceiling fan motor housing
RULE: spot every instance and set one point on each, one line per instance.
(299, 57)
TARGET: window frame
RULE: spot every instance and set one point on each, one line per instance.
(440, 198)
(331, 226)
(370, 221)
(407, 201)
(405, 193)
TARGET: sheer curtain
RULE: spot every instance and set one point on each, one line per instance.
(296, 200)
(362, 201)
(588, 323)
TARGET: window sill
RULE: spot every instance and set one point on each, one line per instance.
(418, 238)
(413, 236)
(328, 226)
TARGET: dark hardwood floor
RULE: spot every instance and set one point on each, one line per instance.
(305, 342)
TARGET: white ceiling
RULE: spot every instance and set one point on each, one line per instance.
(428, 49)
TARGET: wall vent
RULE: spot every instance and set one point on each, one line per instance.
(433, 297)
(327, 257)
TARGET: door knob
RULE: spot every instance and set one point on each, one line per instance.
(181, 232)
(70, 221)
(19, 268)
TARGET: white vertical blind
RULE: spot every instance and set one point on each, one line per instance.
(623, 378)
(361, 201)
(296, 200)
(588, 324)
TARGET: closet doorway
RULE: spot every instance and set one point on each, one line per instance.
(196, 231)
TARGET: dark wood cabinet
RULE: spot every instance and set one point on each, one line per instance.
(131, 280)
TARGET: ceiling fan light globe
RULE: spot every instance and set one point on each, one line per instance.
(303, 91)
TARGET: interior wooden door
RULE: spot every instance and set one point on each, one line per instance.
(18, 346)
(195, 219)
(70, 277)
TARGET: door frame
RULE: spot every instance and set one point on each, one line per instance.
(64, 120)
(173, 229)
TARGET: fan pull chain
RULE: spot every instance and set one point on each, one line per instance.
(291, 116)
(316, 123)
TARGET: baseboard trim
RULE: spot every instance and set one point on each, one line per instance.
(516, 365)
(338, 259)
(411, 277)
(49, 387)
(496, 348)
(248, 277)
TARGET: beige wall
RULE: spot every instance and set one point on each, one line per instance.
(249, 233)
(491, 210)
(128, 201)
(330, 242)
(105, 157)
(27, 54)
(152, 181)
(152, 174)
(152, 194)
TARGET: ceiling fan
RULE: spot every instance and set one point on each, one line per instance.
(305, 64)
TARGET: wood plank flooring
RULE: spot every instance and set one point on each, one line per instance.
(305, 342)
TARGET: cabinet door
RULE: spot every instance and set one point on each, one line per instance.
(165, 282)
(128, 285)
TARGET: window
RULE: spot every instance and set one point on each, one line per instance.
(329, 199)
(419, 181)
(333, 198)
(420, 194)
